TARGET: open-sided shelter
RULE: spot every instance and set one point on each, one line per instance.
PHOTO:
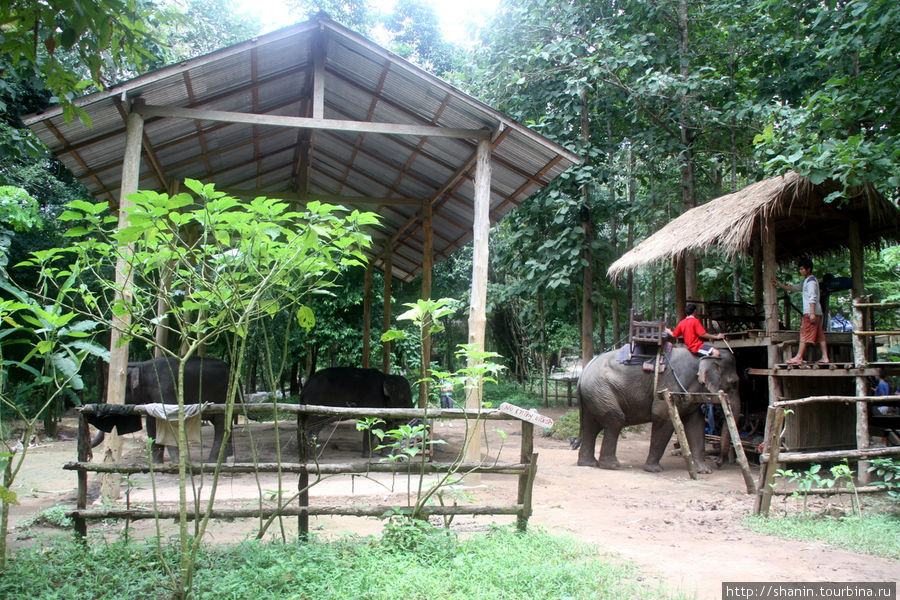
(316, 111)
(775, 221)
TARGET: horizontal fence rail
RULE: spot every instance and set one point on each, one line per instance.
(525, 469)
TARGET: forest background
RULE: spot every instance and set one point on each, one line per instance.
(669, 102)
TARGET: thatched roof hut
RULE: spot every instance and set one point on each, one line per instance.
(804, 224)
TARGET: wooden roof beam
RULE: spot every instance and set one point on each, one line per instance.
(311, 123)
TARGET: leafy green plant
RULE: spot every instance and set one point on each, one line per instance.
(888, 470)
(222, 264)
(412, 441)
(55, 516)
(815, 478)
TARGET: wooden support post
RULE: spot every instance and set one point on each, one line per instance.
(121, 321)
(679, 432)
(388, 275)
(859, 346)
(303, 478)
(526, 480)
(770, 307)
(862, 408)
(775, 421)
(84, 455)
(680, 289)
(427, 266)
(735, 436)
(478, 303)
(367, 318)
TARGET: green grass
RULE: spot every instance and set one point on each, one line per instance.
(409, 561)
(877, 534)
(506, 390)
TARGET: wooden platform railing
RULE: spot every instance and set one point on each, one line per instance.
(772, 455)
(525, 469)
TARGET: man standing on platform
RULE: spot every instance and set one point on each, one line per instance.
(811, 330)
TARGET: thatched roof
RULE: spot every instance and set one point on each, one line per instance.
(804, 223)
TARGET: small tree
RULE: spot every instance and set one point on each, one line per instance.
(221, 264)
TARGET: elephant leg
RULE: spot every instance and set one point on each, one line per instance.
(693, 428)
(588, 431)
(218, 422)
(157, 452)
(724, 447)
(607, 458)
(660, 434)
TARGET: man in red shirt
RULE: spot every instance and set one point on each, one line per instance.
(693, 332)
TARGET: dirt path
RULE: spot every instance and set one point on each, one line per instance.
(686, 534)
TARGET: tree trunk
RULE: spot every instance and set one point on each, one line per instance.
(688, 269)
(587, 305)
(613, 230)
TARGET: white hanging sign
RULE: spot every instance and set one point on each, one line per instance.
(526, 414)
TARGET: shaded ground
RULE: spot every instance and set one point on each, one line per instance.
(685, 533)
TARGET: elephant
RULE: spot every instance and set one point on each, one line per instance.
(205, 380)
(612, 395)
(353, 386)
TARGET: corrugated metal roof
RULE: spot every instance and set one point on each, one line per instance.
(273, 75)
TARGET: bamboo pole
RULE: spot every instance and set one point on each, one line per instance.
(679, 431)
(427, 267)
(736, 443)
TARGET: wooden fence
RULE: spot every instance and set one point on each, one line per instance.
(525, 469)
(774, 456)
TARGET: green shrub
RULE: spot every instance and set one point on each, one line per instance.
(411, 560)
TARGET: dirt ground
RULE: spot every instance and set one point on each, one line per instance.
(685, 534)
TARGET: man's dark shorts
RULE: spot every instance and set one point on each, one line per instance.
(706, 350)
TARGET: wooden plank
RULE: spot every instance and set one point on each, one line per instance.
(312, 123)
(735, 436)
(679, 432)
(301, 198)
(855, 372)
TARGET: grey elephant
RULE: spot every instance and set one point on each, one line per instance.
(352, 386)
(205, 380)
(612, 395)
